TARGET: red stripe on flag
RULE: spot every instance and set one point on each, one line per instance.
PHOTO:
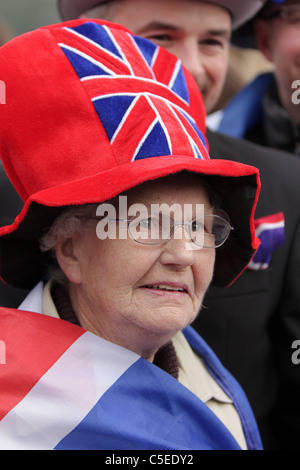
(131, 51)
(116, 85)
(133, 130)
(161, 72)
(270, 219)
(33, 343)
(191, 131)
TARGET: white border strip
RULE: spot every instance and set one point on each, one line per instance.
(268, 226)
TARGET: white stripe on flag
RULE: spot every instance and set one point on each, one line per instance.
(65, 394)
(268, 226)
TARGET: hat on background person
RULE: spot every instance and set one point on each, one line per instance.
(244, 35)
(240, 11)
(93, 111)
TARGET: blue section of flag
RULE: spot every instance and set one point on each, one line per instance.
(271, 239)
(180, 87)
(148, 409)
(83, 67)
(111, 111)
(155, 144)
(147, 49)
(99, 35)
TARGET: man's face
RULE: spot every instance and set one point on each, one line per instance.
(279, 40)
(196, 32)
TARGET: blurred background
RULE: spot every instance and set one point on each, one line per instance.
(20, 16)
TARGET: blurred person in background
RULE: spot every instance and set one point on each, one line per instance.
(267, 110)
(244, 65)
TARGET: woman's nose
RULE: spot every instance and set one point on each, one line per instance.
(179, 250)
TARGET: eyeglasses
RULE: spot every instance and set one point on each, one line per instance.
(289, 13)
(209, 231)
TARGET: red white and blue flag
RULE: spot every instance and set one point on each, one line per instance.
(142, 120)
(270, 231)
(62, 387)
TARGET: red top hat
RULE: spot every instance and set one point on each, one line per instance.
(92, 111)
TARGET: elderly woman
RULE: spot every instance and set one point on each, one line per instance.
(126, 222)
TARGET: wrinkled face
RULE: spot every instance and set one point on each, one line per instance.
(196, 32)
(137, 295)
(279, 40)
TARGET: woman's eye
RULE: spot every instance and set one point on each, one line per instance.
(148, 223)
(145, 223)
(197, 225)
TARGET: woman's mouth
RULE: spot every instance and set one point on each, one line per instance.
(167, 288)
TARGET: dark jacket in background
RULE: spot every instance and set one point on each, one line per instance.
(10, 206)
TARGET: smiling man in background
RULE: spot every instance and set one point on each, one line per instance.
(261, 312)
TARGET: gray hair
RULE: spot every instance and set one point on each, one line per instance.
(70, 221)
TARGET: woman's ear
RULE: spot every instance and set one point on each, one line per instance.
(67, 259)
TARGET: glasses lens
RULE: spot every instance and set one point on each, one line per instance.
(289, 13)
(210, 232)
(150, 228)
(221, 230)
(155, 228)
(293, 14)
(198, 232)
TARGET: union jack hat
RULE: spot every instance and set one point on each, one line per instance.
(241, 11)
(91, 111)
